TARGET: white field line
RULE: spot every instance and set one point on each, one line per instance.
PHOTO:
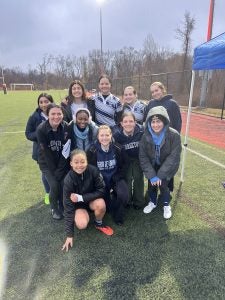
(206, 158)
(205, 145)
(13, 132)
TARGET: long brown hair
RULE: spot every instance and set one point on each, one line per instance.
(70, 97)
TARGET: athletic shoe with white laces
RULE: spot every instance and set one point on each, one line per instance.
(149, 207)
(167, 214)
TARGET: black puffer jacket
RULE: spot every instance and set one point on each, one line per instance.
(90, 185)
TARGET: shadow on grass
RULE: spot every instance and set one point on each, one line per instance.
(141, 261)
(32, 239)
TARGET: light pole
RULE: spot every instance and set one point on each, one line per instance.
(101, 30)
(100, 3)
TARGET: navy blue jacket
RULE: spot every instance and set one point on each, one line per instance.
(172, 108)
(31, 130)
(129, 143)
(112, 164)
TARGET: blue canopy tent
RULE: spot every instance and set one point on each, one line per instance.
(207, 56)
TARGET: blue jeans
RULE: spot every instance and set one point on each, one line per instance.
(164, 192)
(45, 183)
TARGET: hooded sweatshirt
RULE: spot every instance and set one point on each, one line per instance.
(129, 143)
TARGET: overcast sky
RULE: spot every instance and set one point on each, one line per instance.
(30, 29)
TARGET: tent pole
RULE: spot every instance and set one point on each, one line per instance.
(187, 125)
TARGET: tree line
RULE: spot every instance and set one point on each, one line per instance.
(126, 66)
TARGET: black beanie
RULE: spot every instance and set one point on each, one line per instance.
(160, 117)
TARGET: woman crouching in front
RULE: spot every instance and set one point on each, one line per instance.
(83, 190)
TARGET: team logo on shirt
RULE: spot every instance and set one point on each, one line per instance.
(106, 165)
(55, 145)
(132, 145)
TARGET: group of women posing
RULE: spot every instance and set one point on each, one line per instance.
(92, 153)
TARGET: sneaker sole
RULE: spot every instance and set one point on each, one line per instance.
(147, 212)
(106, 230)
(167, 217)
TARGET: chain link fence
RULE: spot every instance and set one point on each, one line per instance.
(176, 83)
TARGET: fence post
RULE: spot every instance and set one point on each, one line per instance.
(167, 88)
(223, 105)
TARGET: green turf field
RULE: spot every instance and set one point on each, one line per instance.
(147, 258)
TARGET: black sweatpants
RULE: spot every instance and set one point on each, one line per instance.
(117, 200)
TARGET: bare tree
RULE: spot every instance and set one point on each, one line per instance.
(150, 50)
(184, 35)
(44, 68)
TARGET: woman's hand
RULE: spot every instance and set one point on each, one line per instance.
(68, 244)
(157, 183)
(73, 197)
(65, 101)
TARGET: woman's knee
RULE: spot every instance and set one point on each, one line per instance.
(81, 224)
(98, 205)
(81, 219)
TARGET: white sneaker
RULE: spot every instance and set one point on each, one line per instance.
(149, 207)
(167, 214)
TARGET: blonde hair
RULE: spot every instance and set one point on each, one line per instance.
(159, 85)
(104, 127)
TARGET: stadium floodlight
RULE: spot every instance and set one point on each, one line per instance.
(100, 3)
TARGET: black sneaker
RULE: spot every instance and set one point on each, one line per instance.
(56, 214)
(128, 206)
(119, 223)
(137, 207)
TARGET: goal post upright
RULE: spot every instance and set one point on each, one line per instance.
(2, 77)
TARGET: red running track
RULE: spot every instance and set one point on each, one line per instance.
(205, 128)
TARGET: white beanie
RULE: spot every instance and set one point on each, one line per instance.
(84, 110)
